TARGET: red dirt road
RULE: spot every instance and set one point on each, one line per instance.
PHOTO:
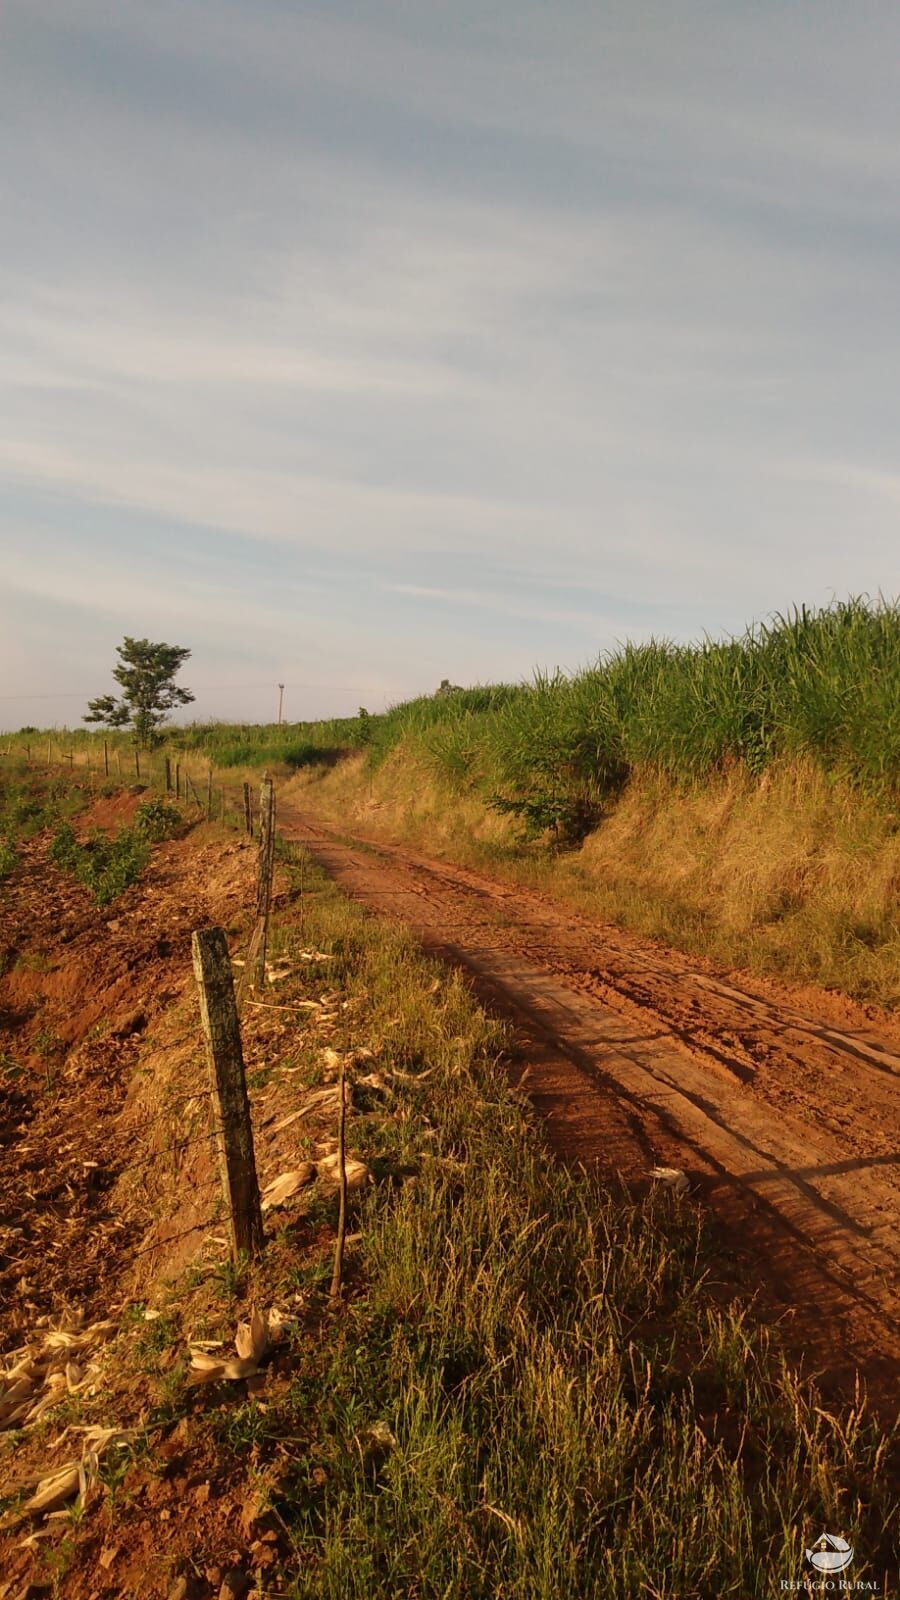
(785, 1117)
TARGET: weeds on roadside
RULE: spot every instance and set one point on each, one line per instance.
(8, 858)
(107, 867)
(531, 1391)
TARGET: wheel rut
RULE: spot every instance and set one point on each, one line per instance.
(785, 1121)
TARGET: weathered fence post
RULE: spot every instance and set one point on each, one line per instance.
(264, 877)
(49, 750)
(337, 1271)
(248, 812)
(137, 764)
(231, 1108)
(178, 780)
(168, 776)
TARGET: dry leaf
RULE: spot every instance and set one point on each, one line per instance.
(55, 1490)
(670, 1178)
(98, 1440)
(277, 1322)
(357, 1173)
(286, 1184)
(204, 1369)
(375, 1080)
(251, 1340)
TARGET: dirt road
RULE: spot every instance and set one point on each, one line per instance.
(786, 1119)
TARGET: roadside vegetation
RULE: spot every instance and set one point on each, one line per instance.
(535, 1386)
(739, 799)
(110, 866)
(28, 806)
(539, 1386)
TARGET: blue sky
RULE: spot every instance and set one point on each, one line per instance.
(361, 345)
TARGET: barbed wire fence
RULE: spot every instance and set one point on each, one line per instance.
(225, 1097)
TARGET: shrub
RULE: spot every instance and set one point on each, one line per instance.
(105, 866)
(157, 820)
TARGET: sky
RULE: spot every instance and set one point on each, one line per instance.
(360, 345)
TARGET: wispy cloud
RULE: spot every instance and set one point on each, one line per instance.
(440, 342)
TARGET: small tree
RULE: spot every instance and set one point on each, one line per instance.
(147, 676)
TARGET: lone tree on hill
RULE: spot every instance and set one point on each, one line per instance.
(149, 691)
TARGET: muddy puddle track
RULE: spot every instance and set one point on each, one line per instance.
(785, 1122)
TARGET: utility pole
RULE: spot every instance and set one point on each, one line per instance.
(280, 701)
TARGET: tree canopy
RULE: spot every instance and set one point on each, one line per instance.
(146, 673)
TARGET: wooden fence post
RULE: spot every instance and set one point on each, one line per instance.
(248, 812)
(178, 780)
(168, 776)
(137, 763)
(337, 1270)
(49, 750)
(209, 793)
(266, 860)
(105, 759)
(231, 1108)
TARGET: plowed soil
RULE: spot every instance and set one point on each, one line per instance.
(783, 1109)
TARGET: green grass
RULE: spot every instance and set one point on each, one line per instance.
(821, 685)
(28, 804)
(537, 1387)
(813, 684)
(8, 858)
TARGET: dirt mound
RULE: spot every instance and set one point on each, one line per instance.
(79, 989)
(114, 811)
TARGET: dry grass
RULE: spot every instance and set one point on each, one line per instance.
(534, 1387)
(795, 873)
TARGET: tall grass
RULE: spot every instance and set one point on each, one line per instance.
(820, 685)
(535, 1390)
(823, 685)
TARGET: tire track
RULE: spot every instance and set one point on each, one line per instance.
(786, 1124)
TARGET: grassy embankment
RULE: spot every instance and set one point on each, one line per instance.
(737, 799)
(535, 1387)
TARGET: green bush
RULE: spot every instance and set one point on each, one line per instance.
(107, 867)
(65, 850)
(157, 820)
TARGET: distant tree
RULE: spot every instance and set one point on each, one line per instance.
(149, 692)
(446, 687)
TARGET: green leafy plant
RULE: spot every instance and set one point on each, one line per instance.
(157, 820)
(105, 866)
